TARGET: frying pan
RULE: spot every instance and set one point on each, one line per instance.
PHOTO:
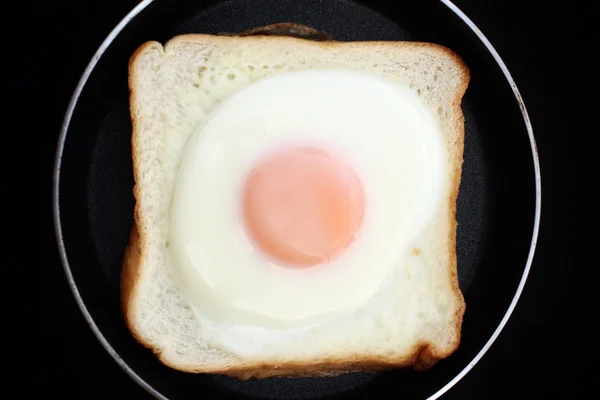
(498, 209)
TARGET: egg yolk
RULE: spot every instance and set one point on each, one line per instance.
(302, 206)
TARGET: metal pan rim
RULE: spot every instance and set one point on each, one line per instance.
(58, 228)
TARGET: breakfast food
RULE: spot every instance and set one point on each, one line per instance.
(295, 204)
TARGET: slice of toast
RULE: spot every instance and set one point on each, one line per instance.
(167, 83)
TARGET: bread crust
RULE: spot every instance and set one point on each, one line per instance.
(424, 355)
(289, 29)
(134, 255)
(422, 358)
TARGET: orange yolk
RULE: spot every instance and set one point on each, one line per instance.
(302, 206)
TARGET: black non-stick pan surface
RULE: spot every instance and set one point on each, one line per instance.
(498, 204)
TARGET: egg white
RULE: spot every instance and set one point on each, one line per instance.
(383, 130)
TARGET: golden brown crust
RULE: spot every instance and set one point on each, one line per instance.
(422, 358)
(129, 277)
(372, 44)
(424, 355)
(459, 128)
(132, 259)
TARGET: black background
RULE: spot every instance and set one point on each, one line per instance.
(542, 352)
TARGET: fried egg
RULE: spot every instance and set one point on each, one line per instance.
(295, 199)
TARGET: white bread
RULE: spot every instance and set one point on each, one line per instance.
(165, 81)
